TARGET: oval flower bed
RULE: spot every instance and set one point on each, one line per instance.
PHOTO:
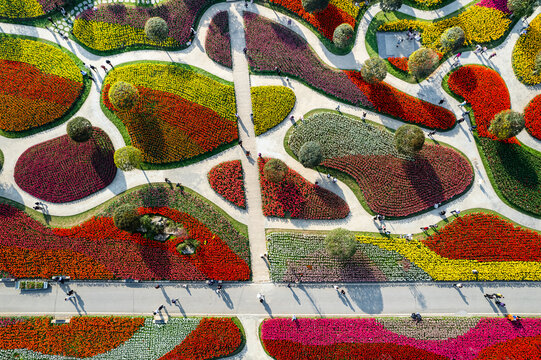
(180, 114)
(270, 106)
(369, 338)
(62, 170)
(227, 180)
(218, 40)
(532, 117)
(297, 198)
(39, 83)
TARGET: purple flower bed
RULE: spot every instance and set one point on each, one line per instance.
(179, 14)
(495, 4)
(487, 332)
(218, 41)
(271, 45)
(62, 170)
(49, 5)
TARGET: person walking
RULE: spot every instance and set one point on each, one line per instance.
(492, 55)
(261, 297)
(441, 101)
(335, 287)
(175, 301)
(457, 285)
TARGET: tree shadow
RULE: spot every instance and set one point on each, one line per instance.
(517, 164)
(367, 298)
(424, 180)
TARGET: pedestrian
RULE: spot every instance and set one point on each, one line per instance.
(399, 41)
(462, 104)
(460, 120)
(189, 42)
(174, 301)
(262, 256)
(240, 143)
(328, 176)
(499, 296)
(492, 55)
(499, 303)
(167, 181)
(458, 55)
(108, 62)
(278, 71)
(425, 228)
(475, 272)
(435, 226)
(245, 51)
(343, 292)
(237, 116)
(218, 291)
(455, 212)
(160, 308)
(71, 292)
(69, 297)
(289, 285)
(465, 113)
(436, 205)
(157, 286)
(458, 285)
(261, 298)
(489, 296)
(252, 117)
(387, 232)
(192, 31)
(259, 155)
(411, 34)
(334, 180)
(37, 208)
(92, 67)
(442, 212)
(104, 68)
(50, 20)
(418, 37)
(316, 183)
(293, 318)
(287, 79)
(185, 286)
(473, 128)
(335, 287)
(364, 115)
(292, 118)
(338, 108)
(483, 50)
(524, 31)
(247, 153)
(478, 48)
(246, 3)
(441, 101)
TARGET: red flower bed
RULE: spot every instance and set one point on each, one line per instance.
(485, 237)
(82, 337)
(227, 180)
(389, 100)
(213, 338)
(401, 63)
(62, 170)
(31, 98)
(168, 128)
(399, 187)
(521, 348)
(218, 40)
(532, 116)
(485, 91)
(324, 21)
(290, 350)
(297, 198)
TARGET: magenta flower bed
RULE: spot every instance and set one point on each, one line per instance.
(62, 170)
(180, 15)
(495, 4)
(271, 45)
(325, 332)
(399, 187)
(218, 41)
(227, 180)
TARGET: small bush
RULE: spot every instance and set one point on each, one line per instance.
(390, 5)
(126, 218)
(123, 95)
(128, 158)
(409, 139)
(156, 29)
(1, 159)
(312, 6)
(341, 243)
(422, 62)
(310, 154)
(343, 36)
(506, 124)
(452, 38)
(188, 246)
(275, 170)
(79, 129)
(374, 70)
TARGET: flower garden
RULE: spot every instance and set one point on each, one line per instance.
(218, 40)
(120, 337)
(227, 180)
(270, 106)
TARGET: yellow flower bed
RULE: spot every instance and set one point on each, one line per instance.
(525, 51)
(480, 25)
(443, 269)
(180, 81)
(45, 57)
(348, 6)
(270, 106)
(428, 3)
(20, 9)
(103, 36)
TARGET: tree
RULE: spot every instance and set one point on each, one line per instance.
(374, 70)
(506, 124)
(312, 6)
(156, 29)
(275, 170)
(310, 154)
(128, 158)
(123, 95)
(409, 139)
(452, 38)
(341, 243)
(390, 5)
(126, 218)
(79, 129)
(519, 7)
(422, 62)
(343, 36)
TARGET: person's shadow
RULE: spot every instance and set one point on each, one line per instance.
(226, 298)
(294, 295)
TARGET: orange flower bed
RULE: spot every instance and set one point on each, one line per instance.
(324, 21)
(389, 100)
(532, 117)
(168, 128)
(22, 263)
(401, 63)
(31, 98)
(82, 337)
(520, 348)
(213, 338)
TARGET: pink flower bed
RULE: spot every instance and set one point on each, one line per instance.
(495, 4)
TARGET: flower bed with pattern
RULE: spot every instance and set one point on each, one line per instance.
(297, 198)
(525, 51)
(39, 83)
(227, 180)
(25, 9)
(532, 117)
(218, 40)
(369, 338)
(63, 170)
(270, 106)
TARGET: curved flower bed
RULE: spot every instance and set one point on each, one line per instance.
(115, 26)
(526, 49)
(401, 63)
(218, 40)
(213, 338)
(227, 180)
(532, 117)
(485, 237)
(495, 4)
(39, 83)
(181, 113)
(297, 198)
(81, 337)
(24, 9)
(62, 170)
(270, 106)
(336, 338)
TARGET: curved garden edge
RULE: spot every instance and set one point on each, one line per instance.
(482, 155)
(351, 183)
